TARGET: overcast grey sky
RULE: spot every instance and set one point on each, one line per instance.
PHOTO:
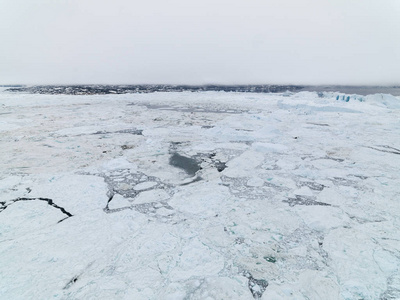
(199, 42)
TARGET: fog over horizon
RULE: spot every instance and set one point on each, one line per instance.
(204, 42)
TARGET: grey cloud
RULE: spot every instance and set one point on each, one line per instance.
(195, 42)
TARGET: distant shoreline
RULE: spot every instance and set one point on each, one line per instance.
(151, 88)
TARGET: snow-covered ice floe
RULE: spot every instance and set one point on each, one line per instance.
(206, 195)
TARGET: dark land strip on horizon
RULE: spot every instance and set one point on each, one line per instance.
(151, 88)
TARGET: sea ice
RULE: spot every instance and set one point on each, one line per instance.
(203, 195)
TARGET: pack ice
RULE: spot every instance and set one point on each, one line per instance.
(207, 195)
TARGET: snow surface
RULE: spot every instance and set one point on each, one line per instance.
(297, 196)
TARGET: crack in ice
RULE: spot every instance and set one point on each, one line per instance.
(48, 200)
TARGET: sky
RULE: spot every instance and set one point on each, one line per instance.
(347, 42)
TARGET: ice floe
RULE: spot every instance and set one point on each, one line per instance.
(199, 195)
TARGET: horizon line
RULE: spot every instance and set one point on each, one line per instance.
(199, 85)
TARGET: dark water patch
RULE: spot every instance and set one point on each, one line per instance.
(195, 161)
(189, 165)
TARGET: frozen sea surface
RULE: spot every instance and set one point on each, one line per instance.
(207, 195)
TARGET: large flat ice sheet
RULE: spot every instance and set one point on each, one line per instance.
(207, 195)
